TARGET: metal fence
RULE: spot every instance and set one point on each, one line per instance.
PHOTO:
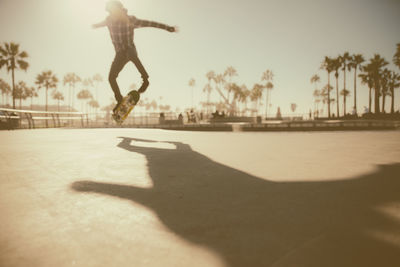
(30, 119)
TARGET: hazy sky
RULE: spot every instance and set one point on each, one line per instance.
(290, 37)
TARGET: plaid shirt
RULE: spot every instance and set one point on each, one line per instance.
(121, 32)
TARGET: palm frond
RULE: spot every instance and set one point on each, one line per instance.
(14, 49)
(23, 64)
(23, 54)
(3, 51)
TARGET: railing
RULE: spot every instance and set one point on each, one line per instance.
(14, 118)
(29, 119)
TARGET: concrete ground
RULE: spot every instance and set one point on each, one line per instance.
(129, 197)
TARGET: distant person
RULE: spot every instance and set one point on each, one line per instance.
(215, 114)
(279, 114)
(121, 27)
(192, 116)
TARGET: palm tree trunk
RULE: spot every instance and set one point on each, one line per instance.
(383, 102)
(392, 101)
(329, 96)
(337, 97)
(376, 99)
(355, 89)
(13, 85)
(46, 98)
(344, 91)
(370, 100)
(69, 98)
(208, 102)
(46, 105)
(73, 96)
(266, 106)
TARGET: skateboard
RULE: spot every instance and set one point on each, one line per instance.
(126, 106)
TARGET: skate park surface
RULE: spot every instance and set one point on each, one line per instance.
(149, 197)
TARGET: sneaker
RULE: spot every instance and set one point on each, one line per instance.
(117, 105)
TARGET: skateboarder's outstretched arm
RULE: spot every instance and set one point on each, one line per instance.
(99, 25)
(139, 23)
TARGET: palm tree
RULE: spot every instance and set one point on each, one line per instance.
(336, 64)
(326, 98)
(268, 77)
(207, 89)
(192, 84)
(256, 94)
(269, 86)
(13, 60)
(47, 80)
(94, 104)
(356, 61)
(88, 83)
(20, 92)
(230, 72)
(31, 92)
(327, 65)
(245, 96)
(317, 99)
(97, 79)
(333, 101)
(315, 79)
(376, 64)
(59, 97)
(345, 60)
(152, 105)
(385, 90)
(396, 57)
(5, 89)
(237, 93)
(394, 83)
(366, 78)
(211, 77)
(219, 80)
(345, 93)
(71, 79)
(84, 95)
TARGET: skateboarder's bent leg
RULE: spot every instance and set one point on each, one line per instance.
(118, 64)
(135, 59)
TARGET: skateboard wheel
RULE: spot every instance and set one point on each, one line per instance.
(135, 96)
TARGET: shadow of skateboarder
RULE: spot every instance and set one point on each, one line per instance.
(249, 221)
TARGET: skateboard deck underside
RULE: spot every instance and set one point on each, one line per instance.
(126, 106)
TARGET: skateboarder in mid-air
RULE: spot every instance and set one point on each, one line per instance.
(121, 27)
